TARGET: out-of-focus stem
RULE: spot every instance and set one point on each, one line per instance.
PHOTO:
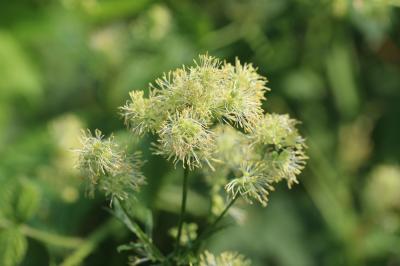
(87, 247)
(218, 219)
(183, 206)
(45, 237)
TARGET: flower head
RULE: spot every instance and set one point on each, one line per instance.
(285, 149)
(243, 95)
(287, 165)
(224, 259)
(99, 156)
(276, 130)
(107, 166)
(185, 138)
(140, 114)
(196, 87)
(252, 184)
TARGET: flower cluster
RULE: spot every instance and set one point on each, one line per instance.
(225, 258)
(212, 113)
(274, 152)
(185, 139)
(209, 114)
(107, 166)
(189, 233)
(185, 104)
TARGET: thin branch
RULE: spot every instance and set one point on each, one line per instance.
(183, 206)
(211, 228)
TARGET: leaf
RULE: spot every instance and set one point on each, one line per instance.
(13, 246)
(19, 199)
(28, 200)
(8, 190)
(18, 74)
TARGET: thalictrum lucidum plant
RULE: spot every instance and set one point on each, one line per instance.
(207, 116)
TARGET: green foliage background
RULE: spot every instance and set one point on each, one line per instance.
(333, 64)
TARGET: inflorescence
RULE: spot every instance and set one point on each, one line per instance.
(206, 116)
(107, 166)
(211, 113)
(225, 258)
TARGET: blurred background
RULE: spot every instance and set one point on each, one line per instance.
(333, 64)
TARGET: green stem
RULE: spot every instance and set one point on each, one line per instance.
(91, 243)
(45, 237)
(183, 206)
(212, 226)
(50, 238)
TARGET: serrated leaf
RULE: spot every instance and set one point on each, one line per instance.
(13, 245)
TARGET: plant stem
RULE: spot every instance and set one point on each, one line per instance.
(50, 238)
(212, 226)
(45, 237)
(91, 243)
(183, 206)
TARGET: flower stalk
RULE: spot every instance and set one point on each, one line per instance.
(210, 229)
(183, 206)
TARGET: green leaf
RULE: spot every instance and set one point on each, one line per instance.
(28, 200)
(19, 199)
(13, 246)
(18, 74)
(8, 190)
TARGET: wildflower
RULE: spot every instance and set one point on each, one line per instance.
(184, 138)
(99, 156)
(224, 259)
(253, 183)
(186, 103)
(127, 180)
(107, 166)
(284, 157)
(195, 87)
(277, 130)
(244, 93)
(140, 114)
(197, 113)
